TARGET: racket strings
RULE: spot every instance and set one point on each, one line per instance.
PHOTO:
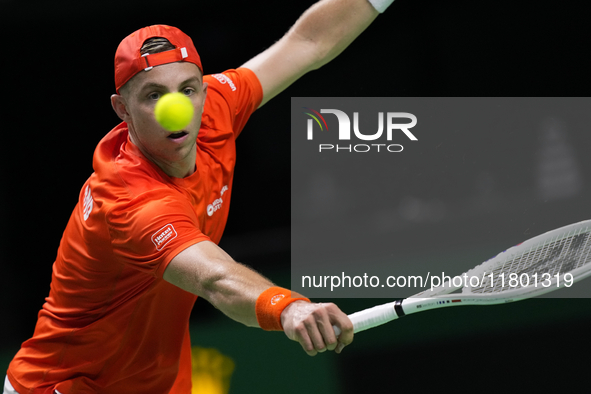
(537, 265)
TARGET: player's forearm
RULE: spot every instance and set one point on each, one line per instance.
(242, 294)
(207, 271)
(235, 291)
(331, 25)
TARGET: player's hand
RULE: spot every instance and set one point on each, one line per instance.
(310, 324)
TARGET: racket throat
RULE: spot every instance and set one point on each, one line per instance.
(398, 308)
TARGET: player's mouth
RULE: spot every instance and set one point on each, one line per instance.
(178, 137)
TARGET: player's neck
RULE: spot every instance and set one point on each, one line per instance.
(178, 169)
(178, 162)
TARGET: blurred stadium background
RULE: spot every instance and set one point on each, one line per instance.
(57, 63)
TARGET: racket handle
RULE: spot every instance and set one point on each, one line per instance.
(371, 317)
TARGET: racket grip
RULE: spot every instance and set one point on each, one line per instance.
(371, 317)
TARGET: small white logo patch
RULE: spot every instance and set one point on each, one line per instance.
(163, 236)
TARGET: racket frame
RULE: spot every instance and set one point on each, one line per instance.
(441, 297)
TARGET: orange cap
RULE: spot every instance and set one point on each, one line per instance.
(129, 61)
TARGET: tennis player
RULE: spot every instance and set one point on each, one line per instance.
(141, 243)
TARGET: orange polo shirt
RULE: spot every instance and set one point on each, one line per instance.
(111, 324)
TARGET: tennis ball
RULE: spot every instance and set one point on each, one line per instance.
(174, 111)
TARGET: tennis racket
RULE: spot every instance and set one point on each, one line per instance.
(542, 264)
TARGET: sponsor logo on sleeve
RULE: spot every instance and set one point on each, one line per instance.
(163, 236)
(224, 79)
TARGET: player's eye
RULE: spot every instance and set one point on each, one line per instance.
(154, 96)
(188, 91)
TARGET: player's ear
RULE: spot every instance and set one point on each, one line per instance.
(120, 107)
(205, 84)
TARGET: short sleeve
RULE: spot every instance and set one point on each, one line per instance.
(149, 231)
(237, 92)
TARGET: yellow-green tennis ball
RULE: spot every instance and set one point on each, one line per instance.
(174, 111)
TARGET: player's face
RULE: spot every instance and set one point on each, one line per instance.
(175, 152)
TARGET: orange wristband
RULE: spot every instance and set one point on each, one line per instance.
(271, 303)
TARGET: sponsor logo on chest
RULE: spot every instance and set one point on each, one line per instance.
(217, 203)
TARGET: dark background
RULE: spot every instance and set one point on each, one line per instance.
(57, 69)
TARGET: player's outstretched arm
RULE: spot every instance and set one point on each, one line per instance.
(317, 37)
(204, 269)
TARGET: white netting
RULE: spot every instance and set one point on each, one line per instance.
(537, 264)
